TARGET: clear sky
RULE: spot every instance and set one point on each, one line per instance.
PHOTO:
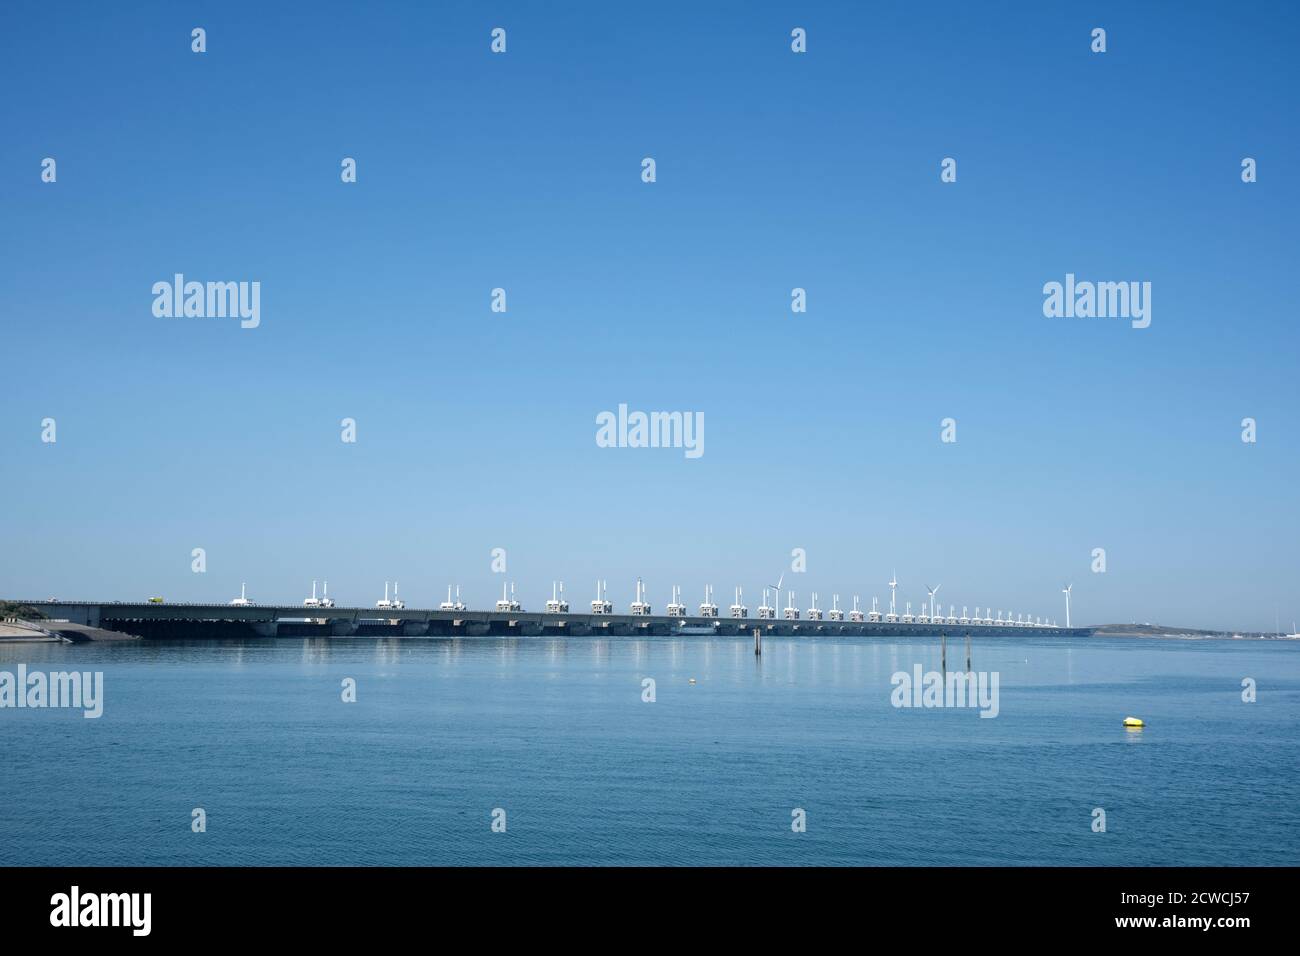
(775, 170)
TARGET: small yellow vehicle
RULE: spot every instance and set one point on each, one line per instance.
(155, 600)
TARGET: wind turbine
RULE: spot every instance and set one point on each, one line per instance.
(933, 591)
(1066, 591)
(777, 587)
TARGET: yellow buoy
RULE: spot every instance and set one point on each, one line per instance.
(1133, 722)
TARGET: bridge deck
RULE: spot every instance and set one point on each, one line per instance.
(267, 619)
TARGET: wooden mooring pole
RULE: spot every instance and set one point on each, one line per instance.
(758, 642)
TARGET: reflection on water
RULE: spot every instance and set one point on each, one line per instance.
(555, 730)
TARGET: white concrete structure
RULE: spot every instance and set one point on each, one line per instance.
(708, 608)
(675, 607)
(738, 609)
(557, 604)
(640, 607)
(601, 605)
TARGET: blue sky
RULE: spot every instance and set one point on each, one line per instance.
(775, 170)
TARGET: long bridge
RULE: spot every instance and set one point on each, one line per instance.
(154, 620)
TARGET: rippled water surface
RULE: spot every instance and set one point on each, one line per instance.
(555, 732)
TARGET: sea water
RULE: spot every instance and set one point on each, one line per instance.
(795, 757)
